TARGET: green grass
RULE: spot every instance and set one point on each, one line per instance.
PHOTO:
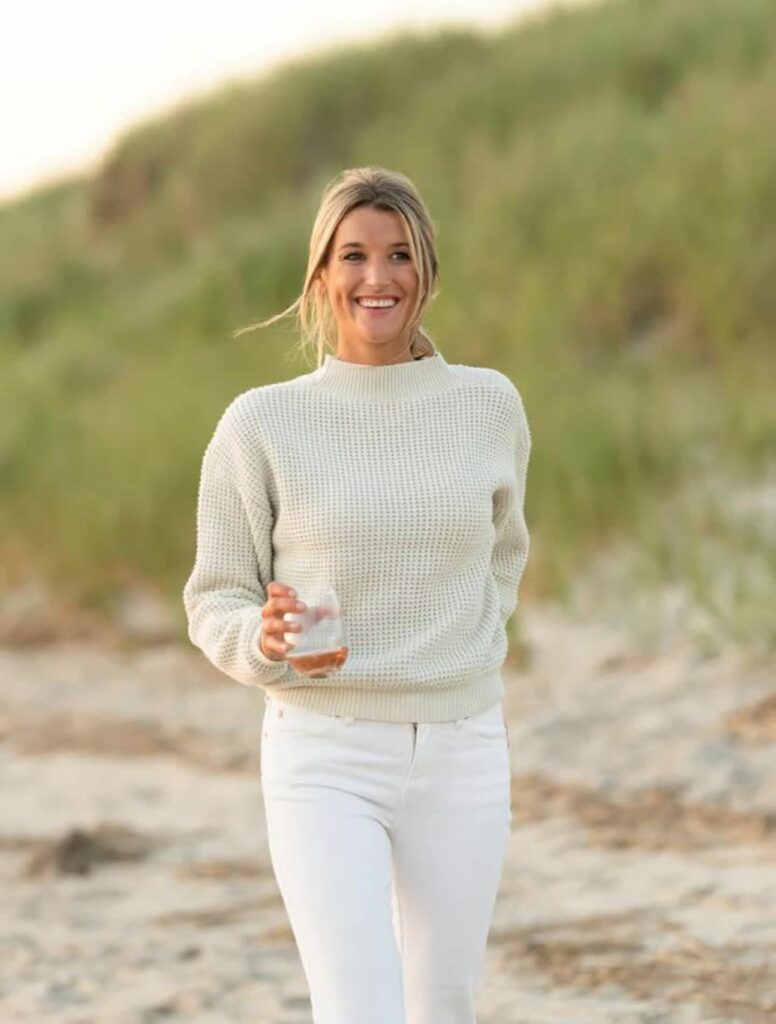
(604, 185)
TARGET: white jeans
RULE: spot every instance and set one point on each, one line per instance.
(387, 840)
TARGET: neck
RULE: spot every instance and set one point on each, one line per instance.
(376, 355)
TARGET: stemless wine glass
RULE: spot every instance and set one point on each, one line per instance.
(319, 649)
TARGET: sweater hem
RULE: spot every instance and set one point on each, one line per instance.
(460, 699)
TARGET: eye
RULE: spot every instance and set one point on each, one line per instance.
(406, 255)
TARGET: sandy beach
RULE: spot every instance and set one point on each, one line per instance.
(640, 884)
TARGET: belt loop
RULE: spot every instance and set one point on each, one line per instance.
(459, 723)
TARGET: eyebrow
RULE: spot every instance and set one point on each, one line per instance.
(358, 245)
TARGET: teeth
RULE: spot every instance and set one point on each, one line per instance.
(376, 303)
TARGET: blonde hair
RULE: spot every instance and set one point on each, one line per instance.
(379, 189)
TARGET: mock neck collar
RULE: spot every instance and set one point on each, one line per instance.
(416, 378)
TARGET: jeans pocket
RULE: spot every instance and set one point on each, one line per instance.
(489, 724)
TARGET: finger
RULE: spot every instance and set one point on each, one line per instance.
(275, 628)
(270, 645)
(324, 612)
(273, 649)
(277, 605)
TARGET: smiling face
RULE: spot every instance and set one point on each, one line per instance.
(370, 258)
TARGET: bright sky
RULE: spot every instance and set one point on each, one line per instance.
(74, 75)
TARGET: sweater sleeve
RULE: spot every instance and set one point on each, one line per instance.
(226, 590)
(512, 541)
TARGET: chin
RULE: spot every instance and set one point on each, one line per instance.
(382, 339)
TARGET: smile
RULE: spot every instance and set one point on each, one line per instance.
(377, 303)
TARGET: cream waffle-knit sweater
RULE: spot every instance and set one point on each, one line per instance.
(400, 485)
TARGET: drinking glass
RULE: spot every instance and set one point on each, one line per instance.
(319, 649)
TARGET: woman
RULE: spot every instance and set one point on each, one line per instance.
(399, 479)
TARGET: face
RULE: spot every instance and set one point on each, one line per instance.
(370, 258)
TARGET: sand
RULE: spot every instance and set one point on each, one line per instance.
(640, 884)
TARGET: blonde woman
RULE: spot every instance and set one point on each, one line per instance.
(399, 479)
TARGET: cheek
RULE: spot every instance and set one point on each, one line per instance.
(341, 298)
(343, 291)
(409, 280)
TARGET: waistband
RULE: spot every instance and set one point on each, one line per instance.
(429, 704)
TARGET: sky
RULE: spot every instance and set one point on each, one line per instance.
(75, 75)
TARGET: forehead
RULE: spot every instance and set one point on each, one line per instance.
(366, 224)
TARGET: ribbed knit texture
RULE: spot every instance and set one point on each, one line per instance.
(400, 485)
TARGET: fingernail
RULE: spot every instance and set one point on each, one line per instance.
(292, 593)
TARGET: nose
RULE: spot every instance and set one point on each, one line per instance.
(376, 274)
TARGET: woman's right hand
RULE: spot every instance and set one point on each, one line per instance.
(280, 599)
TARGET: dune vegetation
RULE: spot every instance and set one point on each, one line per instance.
(603, 180)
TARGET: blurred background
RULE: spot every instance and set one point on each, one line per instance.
(603, 180)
